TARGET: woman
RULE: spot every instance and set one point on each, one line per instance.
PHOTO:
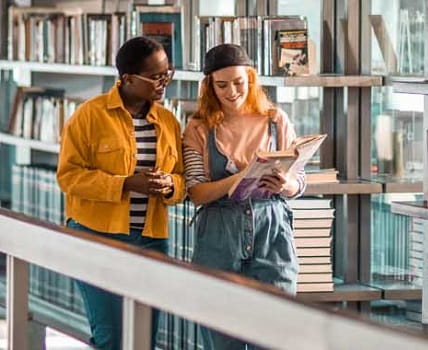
(233, 120)
(120, 165)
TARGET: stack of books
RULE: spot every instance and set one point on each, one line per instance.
(321, 176)
(313, 219)
(416, 245)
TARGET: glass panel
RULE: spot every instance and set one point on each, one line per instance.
(405, 314)
(398, 40)
(397, 134)
(303, 106)
(393, 244)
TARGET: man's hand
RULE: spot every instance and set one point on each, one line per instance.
(153, 182)
(139, 182)
(160, 182)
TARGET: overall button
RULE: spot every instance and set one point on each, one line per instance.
(248, 247)
(248, 212)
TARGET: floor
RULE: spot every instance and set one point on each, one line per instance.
(54, 340)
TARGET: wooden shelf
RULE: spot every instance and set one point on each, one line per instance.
(326, 80)
(409, 85)
(343, 292)
(365, 292)
(59, 68)
(396, 290)
(33, 144)
(311, 80)
(395, 184)
(344, 187)
(416, 209)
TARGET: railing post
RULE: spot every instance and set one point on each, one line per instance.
(137, 325)
(17, 303)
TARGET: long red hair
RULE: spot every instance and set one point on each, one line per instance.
(209, 107)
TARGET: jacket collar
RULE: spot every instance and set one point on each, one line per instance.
(115, 101)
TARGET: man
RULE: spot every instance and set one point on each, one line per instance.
(120, 165)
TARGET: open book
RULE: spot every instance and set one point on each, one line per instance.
(290, 161)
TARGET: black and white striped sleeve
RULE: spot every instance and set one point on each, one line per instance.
(193, 167)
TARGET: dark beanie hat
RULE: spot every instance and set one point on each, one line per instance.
(225, 55)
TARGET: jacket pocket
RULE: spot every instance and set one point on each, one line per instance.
(109, 156)
(170, 160)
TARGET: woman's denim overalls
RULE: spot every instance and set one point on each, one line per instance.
(253, 238)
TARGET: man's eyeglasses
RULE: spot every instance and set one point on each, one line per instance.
(163, 80)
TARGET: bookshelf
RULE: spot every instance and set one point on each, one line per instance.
(347, 84)
(28, 143)
(314, 81)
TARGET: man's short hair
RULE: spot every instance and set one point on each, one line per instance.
(132, 54)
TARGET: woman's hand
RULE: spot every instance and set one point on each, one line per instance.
(278, 182)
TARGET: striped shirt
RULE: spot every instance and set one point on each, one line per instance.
(145, 135)
(195, 174)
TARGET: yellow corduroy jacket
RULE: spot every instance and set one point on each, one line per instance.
(98, 151)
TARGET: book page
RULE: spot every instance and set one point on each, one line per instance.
(265, 163)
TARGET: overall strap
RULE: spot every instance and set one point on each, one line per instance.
(273, 133)
(216, 160)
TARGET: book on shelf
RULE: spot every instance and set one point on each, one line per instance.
(314, 277)
(310, 203)
(290, 161)
(39, 113)
(162, 32)
(98, 45)
(311, 232)
(172, 16)
(17, 112)
(321, 176)
(313, 223)
(8, 89)
(315, 268)
(312, 242)
(285, 46)
(315, 287)
(314, 252)
(65, 35)
(315, 260)
(313, 213)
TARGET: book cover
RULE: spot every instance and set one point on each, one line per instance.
(289, 161)
(167, 14)
(162, 32)
(293, 52)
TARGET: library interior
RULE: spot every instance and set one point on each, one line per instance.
(349, 75)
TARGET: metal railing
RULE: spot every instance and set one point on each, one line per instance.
(240, 307)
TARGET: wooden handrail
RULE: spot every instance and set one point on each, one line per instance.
(244, 308)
